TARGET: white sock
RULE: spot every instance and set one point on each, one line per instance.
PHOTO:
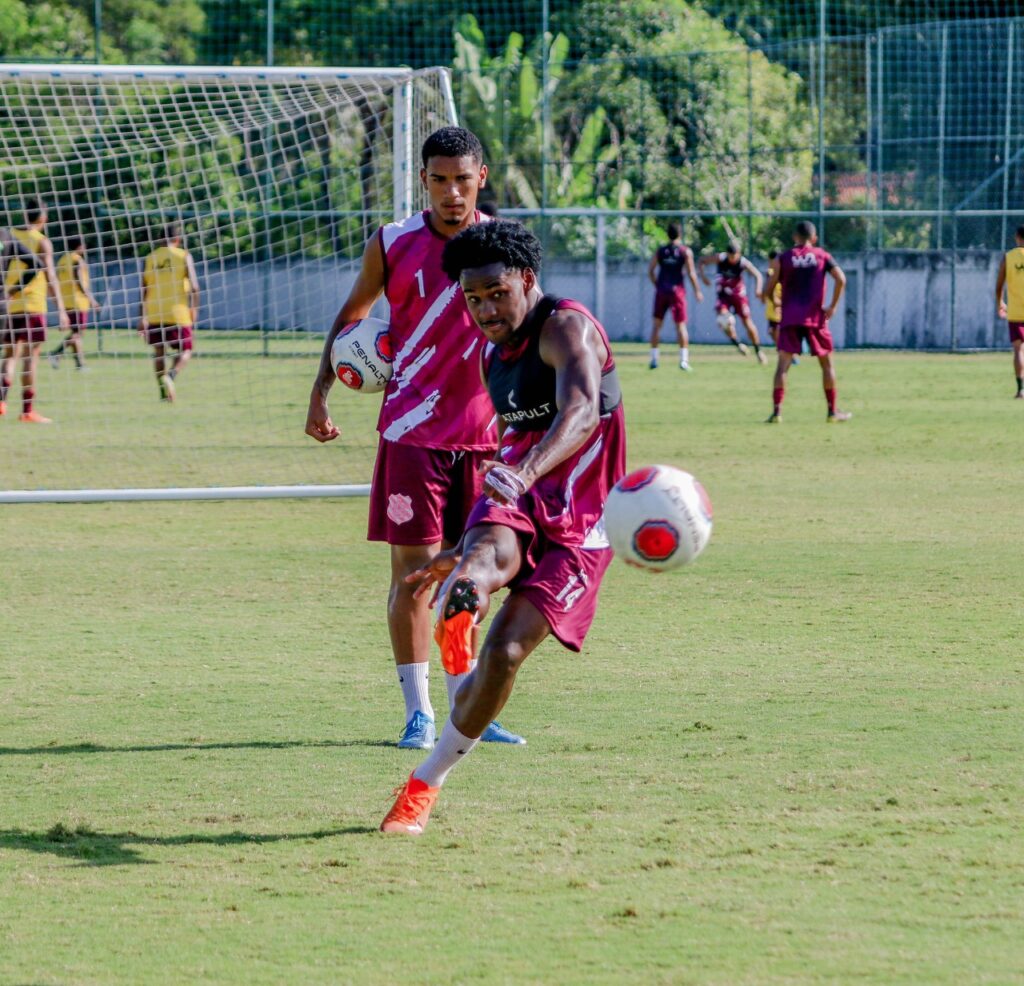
(414, 679)
(654, 353)
(452, 682)
(451, 747)
(684, 354)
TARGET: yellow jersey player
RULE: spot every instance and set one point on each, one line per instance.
(73, 278)
(170, 302)
(1011, 277)
(26, 286)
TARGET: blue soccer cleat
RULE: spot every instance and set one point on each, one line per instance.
(497, 733)
(419, 733)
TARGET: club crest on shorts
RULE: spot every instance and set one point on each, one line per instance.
(399, 508)
(384, 348)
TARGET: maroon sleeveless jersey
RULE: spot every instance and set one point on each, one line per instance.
(435, 399)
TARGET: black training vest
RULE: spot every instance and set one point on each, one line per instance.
(522, 386)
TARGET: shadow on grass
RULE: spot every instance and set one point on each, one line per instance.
(10, 751)
(118, 848)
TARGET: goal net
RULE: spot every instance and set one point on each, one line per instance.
(277, 177)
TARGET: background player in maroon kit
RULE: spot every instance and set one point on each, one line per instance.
(671, 261)
(436, 422)
(537, 529)
(801, 272)
(732, 294)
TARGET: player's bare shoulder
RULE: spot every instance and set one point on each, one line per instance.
(569, 333)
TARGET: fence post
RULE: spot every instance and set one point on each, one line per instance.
(952, 287)
(270, 32)
(1006, 130)
(545, 101)
(97, 34)
(750, 147)
(821, 118)
(943, 56)
(600, 260)
(879, 154)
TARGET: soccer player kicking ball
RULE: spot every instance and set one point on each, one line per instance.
(732, 294)
(436, 423)
(537, 528)
(1011, 277)
(801, 272)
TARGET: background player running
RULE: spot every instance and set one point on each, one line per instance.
(670, 263)
(170, 305)
(27, 285)
(436, 422)
(73, 277)
(537, 529)
(1011, 277)
(801, 272)
(732, 294)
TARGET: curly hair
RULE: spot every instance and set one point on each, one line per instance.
(452, 142)
(499, 242)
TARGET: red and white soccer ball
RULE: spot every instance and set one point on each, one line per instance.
(658, 518)
(362, 356)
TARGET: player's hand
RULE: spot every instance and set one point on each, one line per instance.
(706, 280)
(434, 572)
(1001, 309)
(65, 322)
(830, 313)
(502, 483)
(700, 295)
(318, 420)
(143, 327)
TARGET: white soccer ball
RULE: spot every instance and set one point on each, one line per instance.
(658, 518)
(362, 356)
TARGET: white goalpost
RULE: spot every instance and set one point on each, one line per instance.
(277, 176)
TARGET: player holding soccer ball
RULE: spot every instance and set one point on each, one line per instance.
(537, 529)
(436, 422)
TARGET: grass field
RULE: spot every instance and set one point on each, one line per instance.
(798, 761)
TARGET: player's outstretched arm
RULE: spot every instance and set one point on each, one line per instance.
(572, 346)
(1000, 284)
(756, 274)
(839, 277)
(367, 289)
(702, 262)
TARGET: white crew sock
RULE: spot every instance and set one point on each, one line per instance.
(451, 747)
(414, 679)
(654, 353)
(452, 682)
(684, 354)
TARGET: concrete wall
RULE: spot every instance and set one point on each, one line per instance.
(895, 299)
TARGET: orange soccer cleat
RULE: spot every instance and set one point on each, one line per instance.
(411, 810)
(3, 408)
(34, 418)
(456, 628)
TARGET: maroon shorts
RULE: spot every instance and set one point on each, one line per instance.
(173, 336)
(674, 301)
(23, 328)
(422, 495)
(79, 320)
(733, 302)
(819, 339)
(562, 581)
(1016, 332)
